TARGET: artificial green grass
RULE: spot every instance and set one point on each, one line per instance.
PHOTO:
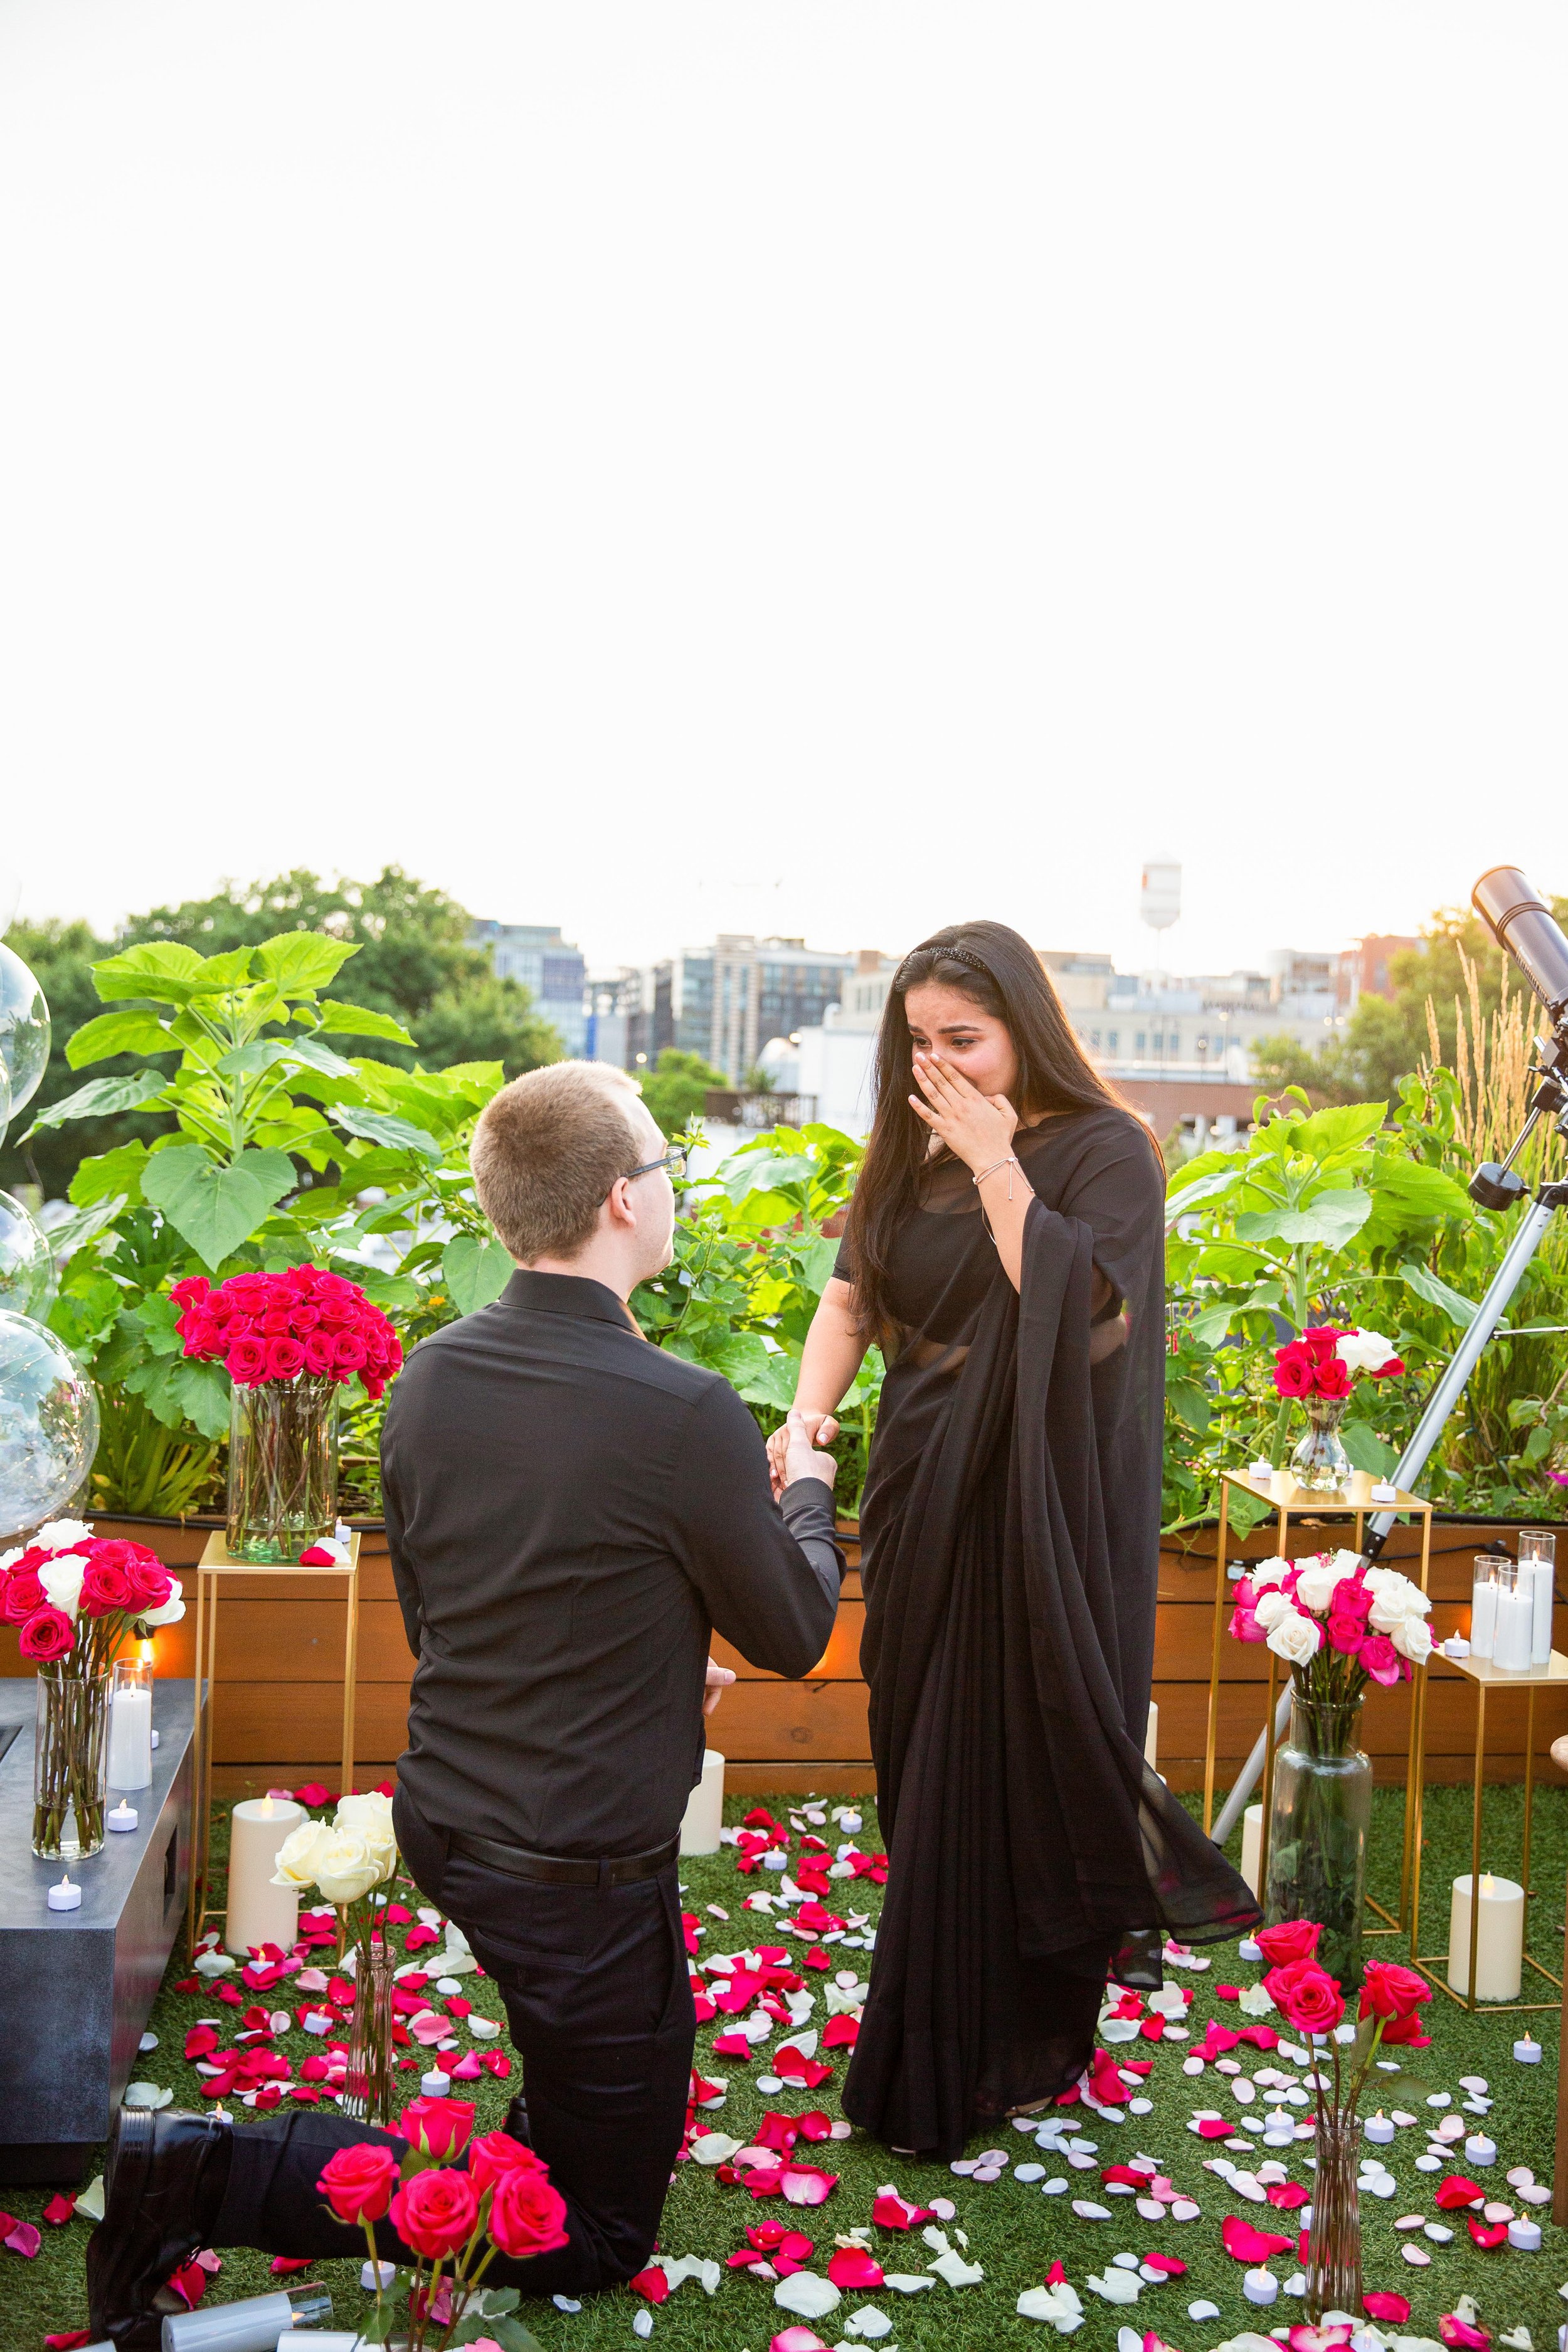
(1014, 2232)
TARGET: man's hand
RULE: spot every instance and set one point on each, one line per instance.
(801, 1458)
(719, 1680)
(821, 1428)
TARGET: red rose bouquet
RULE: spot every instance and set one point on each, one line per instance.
(75, 1601)
(306, 1323)
(444, 2213)
(1312, 2003)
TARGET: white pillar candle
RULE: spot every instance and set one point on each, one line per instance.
(1527, 2051)
(258, 1912)
(1483, 1606)
(1499, 1942)
(130, 1725)
(1251, 1844)
(704, 1813)
(1537, 1561)
(1515, 1618)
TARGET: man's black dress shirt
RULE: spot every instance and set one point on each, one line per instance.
(570, 1511)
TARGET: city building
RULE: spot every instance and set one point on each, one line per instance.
(549, 967)
(726, 1001)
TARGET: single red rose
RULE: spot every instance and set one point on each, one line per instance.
(1331, 1378)
(1321, 1339)
(1308, 1996)
(202, 1335)
(358, 2181)
(495, 2152)
(1391, 1990)
(1380, 1659)
(1292, 1375)
(318, 1354)
(1345, 1635)
(348, 1351)
(284, 1358)
(1291, 1939)
(436, 2127)
(47, 1634)
(150, 1581)
(528, 2215)
(247, 1362)
(435, 2212)
(104, 1588)
(22, 1595)
(194, 1288)
(1350, 1598)
(1389, 1371)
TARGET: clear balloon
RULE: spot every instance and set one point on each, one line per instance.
(26, 1266)
(49, 1425)
(24, 1028)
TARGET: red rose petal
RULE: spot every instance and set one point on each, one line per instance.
(282, 2265)
(1243, 2243)
(1382, 2307)
(854, 2269)
(1455, 2190)
(650, 2284)
(58, 2210)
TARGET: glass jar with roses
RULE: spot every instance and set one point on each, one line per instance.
(76, 1601)
(1319, 1369)
(448, 2205)
(351, 1860)
(1338, 1624)
(289, 1342)
(1311, 2001)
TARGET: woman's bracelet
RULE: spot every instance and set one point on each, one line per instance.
(1011, 1160)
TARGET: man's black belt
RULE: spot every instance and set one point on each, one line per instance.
(561, 1870)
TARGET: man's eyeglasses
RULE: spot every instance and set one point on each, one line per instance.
(674, 1162)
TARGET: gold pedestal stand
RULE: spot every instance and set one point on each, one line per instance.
(215, 1567)
(1486, 1677)
(1288, 1501)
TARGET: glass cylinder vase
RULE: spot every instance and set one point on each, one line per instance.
(1333, 2240)
(282, 1468)
(1318, 1830)
(367, 2096)
(71, 1765)
(1320, 1464)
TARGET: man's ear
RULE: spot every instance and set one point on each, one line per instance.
(617, 1210)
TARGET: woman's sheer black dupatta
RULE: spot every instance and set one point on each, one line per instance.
(1012, 1510)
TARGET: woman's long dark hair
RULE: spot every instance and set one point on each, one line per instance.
(1001, 973)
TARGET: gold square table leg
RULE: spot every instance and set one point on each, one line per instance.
(351, 1669)
(1221, 1545)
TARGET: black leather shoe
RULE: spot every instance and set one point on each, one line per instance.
(517, 2126)
(162, 2183)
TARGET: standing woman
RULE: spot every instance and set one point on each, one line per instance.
(1004, 1247)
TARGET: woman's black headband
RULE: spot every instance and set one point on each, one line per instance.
(935, 947)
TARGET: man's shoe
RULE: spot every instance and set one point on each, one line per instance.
(517, 2126)
(163, 2185)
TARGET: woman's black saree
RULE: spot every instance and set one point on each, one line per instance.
(1011, 1547)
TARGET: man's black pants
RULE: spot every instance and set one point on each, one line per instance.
(598, 2002)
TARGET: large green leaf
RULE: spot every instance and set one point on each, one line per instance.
(115, 1174)
(1339, 1128)
(249, 1061)
(71, 1231)
(214, 1208)
(1332, 1219)
(752, 1366)
(99, 1099)
(386, 1126)
(1183, 1198)
(359, 1021)
(299, 962)
(475, 1271)
(1418, 1191)
(816, 1261)
(1367, 1450)
(176, 1390)
(1430, 1287)
(164, 969)
(138, 1032)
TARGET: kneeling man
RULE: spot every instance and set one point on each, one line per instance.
(570, 1512)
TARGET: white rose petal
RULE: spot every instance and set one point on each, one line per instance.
(1058, 2305)
(806, 2295)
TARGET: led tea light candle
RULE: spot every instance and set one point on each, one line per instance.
(1515, 1621)
(1260, 2286)
(130, 1724)
(258, 1912)
(1379, 2129)
(434, 2084)
(1479, 2148)
(1527, 2051)
(66, 1896)
(123, 1816)
(704, 1813)
(1525, 2235)
(1483, 1605)
(1537, 1562)
(1500, 1941)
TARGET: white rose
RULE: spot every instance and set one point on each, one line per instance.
(1394, 1598)
(1363, 1351)
(1346, 1563)
(1271, 1607)
(170, 1612)
(295, 1865)
(1296, 1638)
(346, 1869)
(1315, 1584)
(1412, 1637)
(1267, 1571)
(60, 1533)
(368, 1812)
(61, 1579)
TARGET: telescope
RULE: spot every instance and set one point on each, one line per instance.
(1525, 927)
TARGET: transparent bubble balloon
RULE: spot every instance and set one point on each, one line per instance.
(49, 1425)
(26, 1266)
(24, 1028)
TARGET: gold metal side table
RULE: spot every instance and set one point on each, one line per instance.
(214, 1570)
(1488, 1679)
(1290, 1502)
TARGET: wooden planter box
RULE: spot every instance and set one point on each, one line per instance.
(280, 1677)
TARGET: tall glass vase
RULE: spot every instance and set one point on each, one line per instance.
(367, 2085)
(1318, 1830)
(71, 1765)
(1320, 1464)
(282, 1468)
(1333, 2241)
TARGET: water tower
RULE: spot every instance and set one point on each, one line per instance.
(1160, 898)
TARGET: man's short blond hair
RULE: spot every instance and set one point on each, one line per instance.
(547, 1150)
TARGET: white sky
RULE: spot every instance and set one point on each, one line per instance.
(837, 467)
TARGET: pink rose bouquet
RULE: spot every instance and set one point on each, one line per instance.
(1337, 1622)
(279, 1326)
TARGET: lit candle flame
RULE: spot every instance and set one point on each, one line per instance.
(147, 1652)
(267, 1809)
(1486, 1887)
